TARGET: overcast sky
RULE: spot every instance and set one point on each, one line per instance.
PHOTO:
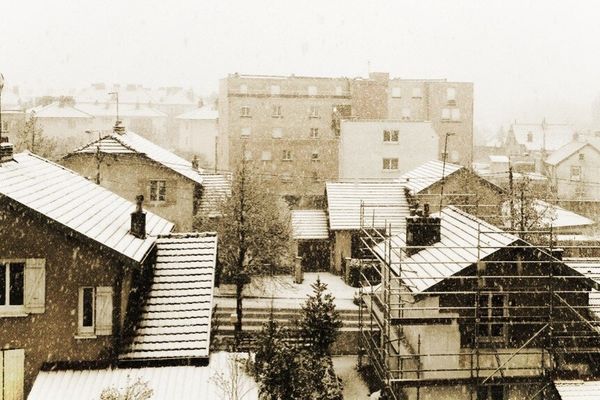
(528, 59)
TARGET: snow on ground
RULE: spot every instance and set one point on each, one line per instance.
(354, 386)
(286, 294)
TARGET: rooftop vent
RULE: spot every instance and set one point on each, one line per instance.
(138, 219)
(6, 150)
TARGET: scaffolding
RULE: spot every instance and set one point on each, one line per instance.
(481, 310)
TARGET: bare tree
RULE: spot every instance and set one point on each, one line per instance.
(138, 390)
(32, 138)
(233, 383)
(253, 232)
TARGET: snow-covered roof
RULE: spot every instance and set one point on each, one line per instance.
(215, 189)
(63, 196)
(130, 142)
(499, 159)
(543, 136)
(125, 110)
(167, 383)
(577, 389)
(567, 150)
(56, 110)
(309, 224)
(427, 174)
(559, 217)
(175, 319)
(200, 113)
(384, 204)
(465, 239)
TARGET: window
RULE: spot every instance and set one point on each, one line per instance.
(247, 155)
(315, 156)
(314, 112)
(575, 173)
(338, 90)
(12, 284)
(95, 311)
(312, 90)
(276, 112)
(277, 133)
(406, 114)
(246, 131)
(5, 126)
(287, 155)
(314, 133)
(445, 114)
(492, 310)
(275, 90)
(416, 93)
(451, 95)
(491, 392)
(390, 164)
(243, 89)
(529, 137)
(12, 363)
(455, 114)
(390, 136)
(396, 92)
(245, 112)
(315, 177)
(158, 190)
(581, 157)
(265, 155)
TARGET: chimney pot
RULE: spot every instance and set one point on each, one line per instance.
(6, 150)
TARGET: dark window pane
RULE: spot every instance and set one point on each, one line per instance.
(16, 280)
(88, 307)
(482, 393)
(497, 393)
(496, 330)
(2, 284)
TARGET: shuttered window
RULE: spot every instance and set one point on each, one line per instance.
(12, 374)
(104, 307)
(22, 286)
(35, 285)
(95, 311)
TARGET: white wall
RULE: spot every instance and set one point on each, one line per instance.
(362, 148)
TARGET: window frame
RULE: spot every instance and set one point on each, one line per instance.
(317, 154)
(314, 112)
(86, 331)
(245, 132)
(388, 164)
(314, 133)
(489, 316)
(287, 155)
(6, 307)
(417, 93)
(396, 92)
(575, 177)
(245, 112)
(276, 111)
(276, 133)
(391, 136)
(155, 191)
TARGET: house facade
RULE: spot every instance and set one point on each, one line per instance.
(129, 164)
(573, 170)
(384, 149)
(69, 259)
(197, 132)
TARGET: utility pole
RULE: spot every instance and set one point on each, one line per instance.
(116, 94)
(33, 131)
(444, 169)
(1, 87)
(511, 199)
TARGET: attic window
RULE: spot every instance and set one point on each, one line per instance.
(581, 156)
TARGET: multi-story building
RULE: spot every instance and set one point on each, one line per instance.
(289, 126)
(197, 135)
(387, 148)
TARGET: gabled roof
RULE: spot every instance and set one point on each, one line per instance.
(74, 202)
(200, 113)
(543, 136)
(55, 110)
(167, 383)
(558, 217)
(175, 320)
(385, 204)
(427, 174)
(590, 269)
(465, 239)
(130, 142)
(309, 224)
(215, 189)
(567, 150)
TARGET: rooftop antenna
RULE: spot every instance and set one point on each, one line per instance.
(444, 169)
(1, 87)
(116, 94)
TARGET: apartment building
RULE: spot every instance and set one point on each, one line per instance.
(289, 126)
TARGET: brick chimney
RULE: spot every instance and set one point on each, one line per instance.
(138, 219)
(422, 231)
(6, 150)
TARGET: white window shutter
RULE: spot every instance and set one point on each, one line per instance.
(14, 363)
(35, 285)
(104, 310)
